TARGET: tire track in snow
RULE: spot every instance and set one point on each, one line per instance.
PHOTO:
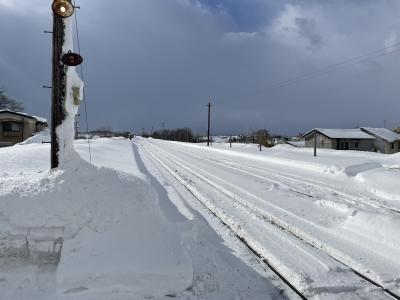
(351, 199)
(226, 219)
(211, 209)
(315, 242)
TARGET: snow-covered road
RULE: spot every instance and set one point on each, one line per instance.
(325, 237)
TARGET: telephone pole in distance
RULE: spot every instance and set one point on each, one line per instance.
(209, 123)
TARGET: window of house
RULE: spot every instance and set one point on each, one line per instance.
(392, 145)
(11, 127)
(353, 146)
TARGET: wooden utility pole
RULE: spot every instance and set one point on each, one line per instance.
(209, 123)
(315, 144)
(58, 87)
(60, 63)
(76, 127)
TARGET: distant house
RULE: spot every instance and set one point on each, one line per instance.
(339, 139)
(363, 139)
(386, 141)
(15, 127)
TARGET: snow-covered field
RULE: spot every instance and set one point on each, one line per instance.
(151, 219)
(110, 231)
(328, 224)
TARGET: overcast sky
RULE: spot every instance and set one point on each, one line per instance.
(154, 61)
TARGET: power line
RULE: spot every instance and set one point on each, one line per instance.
(337, 66)
(319, 74)
(83, 79)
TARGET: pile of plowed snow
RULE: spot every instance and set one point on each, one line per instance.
(116, 240)
(39, 137)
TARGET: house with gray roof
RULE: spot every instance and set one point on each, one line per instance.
(339, 139)
(386, 141)
(364, 139)
(16, 127)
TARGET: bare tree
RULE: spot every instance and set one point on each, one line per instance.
(262, 137)
(8, 103)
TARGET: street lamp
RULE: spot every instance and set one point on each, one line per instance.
(63, 8)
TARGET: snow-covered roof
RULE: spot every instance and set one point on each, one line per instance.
(343, 133)
(15, 112)
(382, 133)
(39, 119)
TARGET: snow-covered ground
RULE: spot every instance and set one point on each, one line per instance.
(321, 222)
(113, 230)
(151, 219)
(370, 171)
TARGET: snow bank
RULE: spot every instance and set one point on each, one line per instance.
(380, 228)
(383, 182)
(115, 153)
(18, 161)
(116, 238)
(329, 162)
(39, 138)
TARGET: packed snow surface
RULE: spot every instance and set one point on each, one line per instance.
(137, 223)
(126, 233)
(320, 221)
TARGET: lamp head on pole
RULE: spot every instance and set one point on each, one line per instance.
(63, 8)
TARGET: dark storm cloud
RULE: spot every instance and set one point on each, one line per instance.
(154, 61)
(307, 29)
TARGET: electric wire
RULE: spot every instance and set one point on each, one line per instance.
(338, 66)
(83, 79)
(345, 63)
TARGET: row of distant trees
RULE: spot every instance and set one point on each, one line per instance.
(9, 103)
(179, 134)
(185, 134)
(260, 136)
(105, 131)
